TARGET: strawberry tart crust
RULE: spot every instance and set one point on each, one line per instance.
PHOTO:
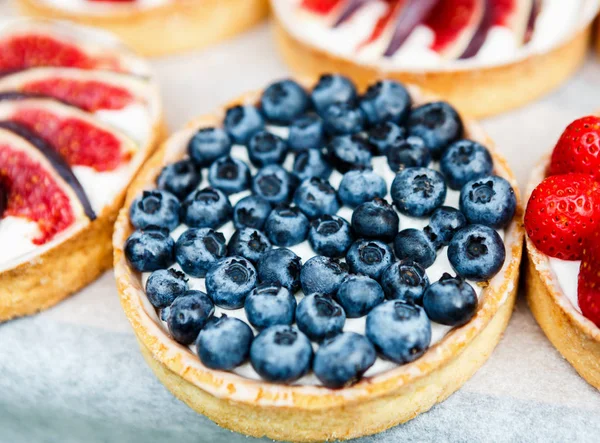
(307, 412)
(76, 122)
(522, 56)
(143, 24)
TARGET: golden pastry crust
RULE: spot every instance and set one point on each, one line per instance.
(477, 92)
(314, 413)
(189, 24)
(575, 337)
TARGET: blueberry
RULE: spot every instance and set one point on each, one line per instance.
(179, 178)
(332, 88)
(230, 175)
(400, 331)
(369, 257)
(306, 132)
(229, 281)
(477, 252)
(384, 135)
(224, 343)
(251, 212)
(273, 183)
(438, 124)
(361, 186)
(320, 317)
(163, 286)
(358, 294)
(280, 266)
(248, 243)
(270, 304)
(330, 236)
(149, 250)
(465, 160)
(414, 245)
(451, 301)
(488, 201)
(316, 197)
(207, 145)
(408, 153)
(164, 313)
(242, 122)
(158, 209)
(386, 100)
(265, 148)
(207, 208)
(405, 280)
(342, 119)
(286, 226)
(348, 152)
(323, 275)
(418, 192)
(197, 250)
(283, 101)
(443, 224)
(281, 354)
(188, 314)
(342, 360)
(376, 219)
(311, 163)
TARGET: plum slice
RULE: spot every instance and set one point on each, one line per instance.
(77, 136)
(412, 14)
(38, 185)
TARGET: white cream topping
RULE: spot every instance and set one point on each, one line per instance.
(567, 274)
(557, 20)
(99, 7)
(305, 252)
(134, 120)
(17, 235)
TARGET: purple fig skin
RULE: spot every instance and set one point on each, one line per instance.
(61, 167)
(481, 33)
(17, 96)
(3, 199)
(413, 14)
(349, 9)
(536, 6)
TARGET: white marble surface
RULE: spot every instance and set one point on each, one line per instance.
(74, 373)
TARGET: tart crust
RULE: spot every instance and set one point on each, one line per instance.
(575, 337)
(315, 413)
(189, 24)
(479, 92)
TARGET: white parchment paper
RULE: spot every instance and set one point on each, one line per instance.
(74, 373)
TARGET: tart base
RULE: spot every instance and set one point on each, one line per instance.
(51, 277)
(348, 421)
(476, 92)
(189, 24)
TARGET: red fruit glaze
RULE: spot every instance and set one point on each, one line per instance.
(588, 288)
(320, 6)
(88, 95)
(33, 194)
(449, 19)
(76, 140)
(578, 148)
(562, 212)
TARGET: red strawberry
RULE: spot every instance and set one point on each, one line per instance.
(588, 289)
(562, 212)
(578, 148)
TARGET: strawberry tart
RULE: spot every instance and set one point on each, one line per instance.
(157, 27)
(314, 262)
(563, 243)
(484, 56)
(79, 114)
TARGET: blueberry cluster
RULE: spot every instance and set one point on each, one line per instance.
(363, 266)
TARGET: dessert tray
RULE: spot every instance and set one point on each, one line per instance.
(345, 314)
(79, 114)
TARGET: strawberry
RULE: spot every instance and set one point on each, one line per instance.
(578, 148)
(588, 289)
(562, 212)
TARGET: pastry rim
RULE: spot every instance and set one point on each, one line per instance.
(229, 386)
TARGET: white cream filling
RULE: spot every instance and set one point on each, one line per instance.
(567, 274)
(305, 252)
(557, 20)
(99, 7)
(134, 120)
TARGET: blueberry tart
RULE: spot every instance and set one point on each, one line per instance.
(330, 304)
(77, 119)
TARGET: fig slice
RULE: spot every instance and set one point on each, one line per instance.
(38, 185)
(394, 9)
(321, 7)
(413, 14)
(76, 135)
(536, 7)
(454, 22)
(349, 8)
